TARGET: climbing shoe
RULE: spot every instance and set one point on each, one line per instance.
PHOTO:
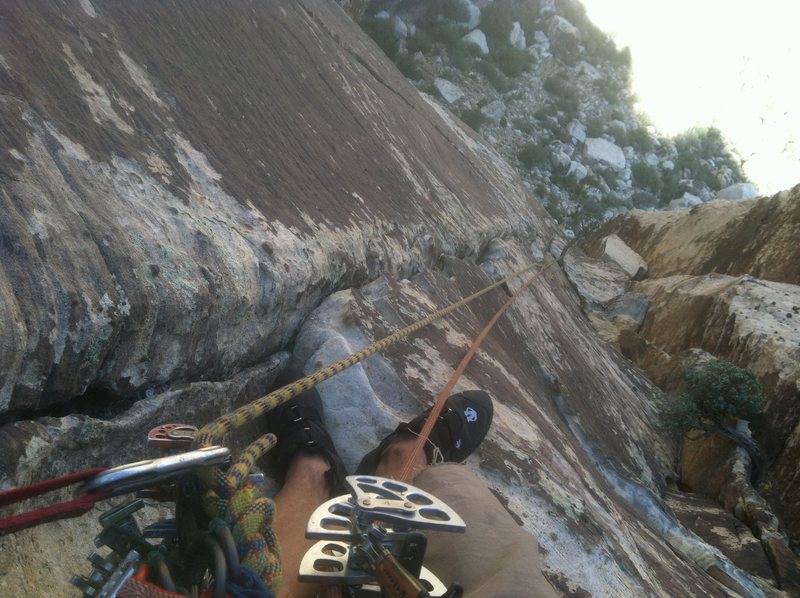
(299, 426)
(459, 430)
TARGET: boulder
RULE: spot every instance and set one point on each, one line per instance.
(474, 14)
(685, 202)
(560, 160)
(757, 237)
(577, 131)
(448, 90)
(477, 37)
(516, 37)
(615, 250)
(604, 151)
(494, 111)
(577, 170)
(400, 27)
(739, 191)
(540, 39)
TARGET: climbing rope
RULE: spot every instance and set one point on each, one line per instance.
(214, 432)
(407, 473)
(234, 500)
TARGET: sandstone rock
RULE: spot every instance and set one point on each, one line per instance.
(720, 529)
(602, 150)
(516, 37)
(746, 321)
(478, 38)
(756, 237)
(449, 90)
(615, 250)
(161, 235)
(739, 191)
(685, 202)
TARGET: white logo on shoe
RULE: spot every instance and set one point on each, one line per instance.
(458, 443)
(471, 414)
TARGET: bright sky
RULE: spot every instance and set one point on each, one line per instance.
(726, 63)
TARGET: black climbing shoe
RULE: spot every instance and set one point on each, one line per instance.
(460, 429)
(299, 426)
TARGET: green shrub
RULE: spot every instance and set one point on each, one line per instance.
(646, 177)
(408, 66)
(640, 139)
(419, 42)
(533, 154)
(595, 127)
(512, 61)
(382, 31)
(446, 33)
(524, 126)
(644, 200)
(455, 10)
(716, 392)
(566, 92)
(462, 56)
(493, 74)
(474, 118)
(496, 21)
(697, 147)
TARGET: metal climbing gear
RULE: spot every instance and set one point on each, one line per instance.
(153, 472)
(369, 539)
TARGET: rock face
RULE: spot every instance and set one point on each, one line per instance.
(183, 186)
(702, 296)
(756, 237)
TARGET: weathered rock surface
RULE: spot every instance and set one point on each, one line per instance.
(615, 250)
(182, 186)
(756, 237)
(753, 322)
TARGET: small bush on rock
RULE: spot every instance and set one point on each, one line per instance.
(419, 42)
(646, 176)
(496, 21)
(408, 66)
(512, 61)
(714, 393)
(474, 118)
(494, 75)
(382, 31)
(533, 154)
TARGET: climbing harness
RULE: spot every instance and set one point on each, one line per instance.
(223, 524)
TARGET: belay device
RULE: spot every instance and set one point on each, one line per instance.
(369, 541)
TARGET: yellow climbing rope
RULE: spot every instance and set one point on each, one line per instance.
(235, 500)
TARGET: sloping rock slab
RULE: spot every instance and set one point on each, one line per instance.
(180, 186)
(542, 366)
(721, 529)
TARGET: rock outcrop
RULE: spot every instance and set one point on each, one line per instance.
(184, 186)
(723, 278)
(755, 237)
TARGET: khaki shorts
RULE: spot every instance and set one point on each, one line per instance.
(495, 558)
